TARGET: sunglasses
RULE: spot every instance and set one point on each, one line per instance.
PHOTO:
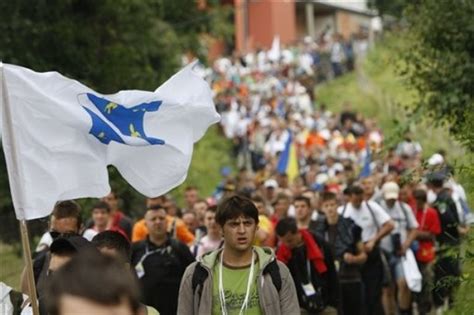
(55, 234)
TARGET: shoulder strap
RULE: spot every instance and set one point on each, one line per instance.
(199, 276)
(173, 231)
(344, 210)
(177, 249)
(38, 265)
(16, 299)
(274, 271)
(373, 215)
(404, 210)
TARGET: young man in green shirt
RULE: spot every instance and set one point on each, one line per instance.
(238, 278)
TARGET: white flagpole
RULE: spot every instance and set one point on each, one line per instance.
(13, 167)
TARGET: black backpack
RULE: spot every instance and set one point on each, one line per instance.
(200, 275)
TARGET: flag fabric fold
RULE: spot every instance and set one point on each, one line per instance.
(58, 136)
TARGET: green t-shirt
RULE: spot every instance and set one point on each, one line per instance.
(235, 287)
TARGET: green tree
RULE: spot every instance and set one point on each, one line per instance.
(439, 63)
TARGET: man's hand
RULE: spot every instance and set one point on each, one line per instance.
(369, 246)
(403, 249)
(349, 258)
(463, 230)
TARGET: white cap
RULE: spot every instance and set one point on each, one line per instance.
(322, 178)
(325, 134)
(435, 159)
(270, 183)
(390, 190)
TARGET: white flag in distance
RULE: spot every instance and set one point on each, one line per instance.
(59, 136)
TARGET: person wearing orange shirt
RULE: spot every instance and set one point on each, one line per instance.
(314, 140)
(176, 227)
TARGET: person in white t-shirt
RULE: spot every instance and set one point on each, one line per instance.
(375, 224)
(395, 246)
(100, 219)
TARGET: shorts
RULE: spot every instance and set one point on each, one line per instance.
(395, 266)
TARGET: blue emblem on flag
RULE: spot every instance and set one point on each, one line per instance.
(127, 121)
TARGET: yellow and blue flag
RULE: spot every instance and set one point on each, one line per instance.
(288, 160)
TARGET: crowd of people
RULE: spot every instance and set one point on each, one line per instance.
(331, 237)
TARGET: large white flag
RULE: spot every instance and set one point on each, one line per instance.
(59, 136)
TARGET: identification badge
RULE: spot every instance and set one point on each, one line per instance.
(336, 265)
(140, 270)
(309, 289)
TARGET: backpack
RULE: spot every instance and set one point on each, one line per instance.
(448, 218)
(200, 275)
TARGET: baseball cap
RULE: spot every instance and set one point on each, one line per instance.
(270, 183)
(435, 159)
(69, 244)
(438, 176)
(390, 190)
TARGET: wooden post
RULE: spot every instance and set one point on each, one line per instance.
(29, 267)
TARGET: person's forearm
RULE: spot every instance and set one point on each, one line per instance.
(410, 237)
(384, 231)
(360, 258)
(424, 236)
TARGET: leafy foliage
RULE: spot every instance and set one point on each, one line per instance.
(439, 63)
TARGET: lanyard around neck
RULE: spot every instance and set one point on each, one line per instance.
(149, 252)
(221, 285)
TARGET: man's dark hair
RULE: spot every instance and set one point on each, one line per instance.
(69, 246)
(212, 209)
(94, 277)
(101, 205)
(356, 190)
(114, 240)
(327, 196)
(347, 191)
(234, 207)
(436, 179)
(156, 207)
(304, 199)
(286, 225)
(67, 209)
(420, 194)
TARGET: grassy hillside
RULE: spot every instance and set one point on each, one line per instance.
(211, 153)
(377, 91)
(11, 265)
